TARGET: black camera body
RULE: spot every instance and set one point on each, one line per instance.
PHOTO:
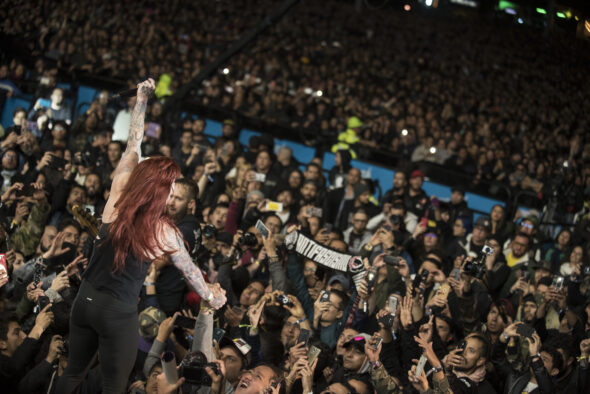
(371, 278)
(65, 348)
(418, 279)
(209, 231)
(386, 320)
(195, 374)
(247, 239)
(477, 268)
(85, 159)
(284, 300)
(392, 260)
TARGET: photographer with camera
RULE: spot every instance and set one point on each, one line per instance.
(41, 379)
(533, 374)
(17, 349)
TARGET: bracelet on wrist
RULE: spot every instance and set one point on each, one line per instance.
(206, 310)
(148, 283)
(300, 320)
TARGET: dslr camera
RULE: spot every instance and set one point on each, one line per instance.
(247, 239)
(284, 300)
(477, 267)
(195, 373)
(209, 231)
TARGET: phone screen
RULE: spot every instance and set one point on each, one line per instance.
(45, 103)
(218, 333)
(152, 129)
(392, 305)
(274, 206)
(3, 262)
(304, 336)
(525, 330)
(184, 322)
(262, 229)
(420, 366)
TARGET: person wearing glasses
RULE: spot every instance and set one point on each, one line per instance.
(357, 235)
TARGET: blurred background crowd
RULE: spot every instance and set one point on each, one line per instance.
(489, 301)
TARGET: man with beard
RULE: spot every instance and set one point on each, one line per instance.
(398, 191)
(467, 364)
(114, 153)
(416, 199)
(170, 284)
(309, 192)
(24, 274)
(528, 309)
(76, 196)
(94, 196)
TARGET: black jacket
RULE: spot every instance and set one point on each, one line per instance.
(12, 369)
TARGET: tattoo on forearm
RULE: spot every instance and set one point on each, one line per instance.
(136, 126)
(184, 263)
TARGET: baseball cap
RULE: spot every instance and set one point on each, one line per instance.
(149, 321)
(340, 278)
(416, 173)
(484, 222)
(224, 237)
(358, 342)
(542, 265)
(240, 346)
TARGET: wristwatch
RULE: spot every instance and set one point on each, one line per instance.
(434, 370)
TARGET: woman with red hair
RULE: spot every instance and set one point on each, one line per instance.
(135, 231)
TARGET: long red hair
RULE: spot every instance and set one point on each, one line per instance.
(141, 211)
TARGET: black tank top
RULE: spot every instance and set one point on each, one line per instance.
(124, 285)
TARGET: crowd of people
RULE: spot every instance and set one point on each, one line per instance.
(327, 289)
(484, 94)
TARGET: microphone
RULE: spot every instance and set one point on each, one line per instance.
(125, 93)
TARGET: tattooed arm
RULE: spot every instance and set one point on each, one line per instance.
(191, 272)
(132, 153)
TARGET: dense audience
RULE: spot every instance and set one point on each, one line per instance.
(486, 97)
(344, 294)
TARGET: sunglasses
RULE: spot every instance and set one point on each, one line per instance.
(527, 225)
(430, 235)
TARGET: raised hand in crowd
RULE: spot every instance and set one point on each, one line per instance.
(34, 291)
(42, 321)
(61, 281)
(55, 348)
(10, 194)
(56, 248)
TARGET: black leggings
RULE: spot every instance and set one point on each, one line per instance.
(100, 322)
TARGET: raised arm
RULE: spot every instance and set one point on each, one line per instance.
(132, 153)
(191, 272)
